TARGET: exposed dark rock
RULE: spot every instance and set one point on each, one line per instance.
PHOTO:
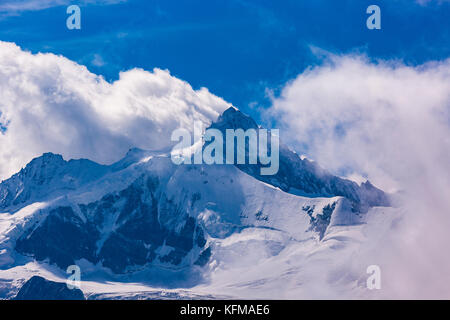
(38, 288)
(129, 241)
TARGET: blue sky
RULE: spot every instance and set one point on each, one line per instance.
(237, 49)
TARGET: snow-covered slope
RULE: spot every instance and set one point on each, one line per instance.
(45, 176)
(155, 212)
(302, 176)
(149, 221)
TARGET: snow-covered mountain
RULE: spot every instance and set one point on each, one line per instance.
(146, 220)
(302, 176)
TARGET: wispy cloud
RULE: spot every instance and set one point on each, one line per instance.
(426, 2)
(13, 7)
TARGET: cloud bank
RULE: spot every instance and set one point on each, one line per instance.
(51, 104)
(390, 123)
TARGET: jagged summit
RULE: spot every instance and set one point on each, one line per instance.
(49, 156)
(233, 118)
(45, 174)
(302, 176)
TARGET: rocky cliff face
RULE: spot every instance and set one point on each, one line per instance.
(302, 176)
(38, 288)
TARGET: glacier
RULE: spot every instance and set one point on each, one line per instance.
(144, 227)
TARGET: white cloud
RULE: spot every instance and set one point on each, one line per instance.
(53, 104)
(349, 108)
(391, 123)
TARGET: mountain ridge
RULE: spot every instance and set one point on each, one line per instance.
(143, 212)
(296, 174)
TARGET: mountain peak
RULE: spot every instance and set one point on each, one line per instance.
(45, 174)
(302, 176)
(47, 159)
(49, 156)
(134, 151)
(132, 156)
(233, 118)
